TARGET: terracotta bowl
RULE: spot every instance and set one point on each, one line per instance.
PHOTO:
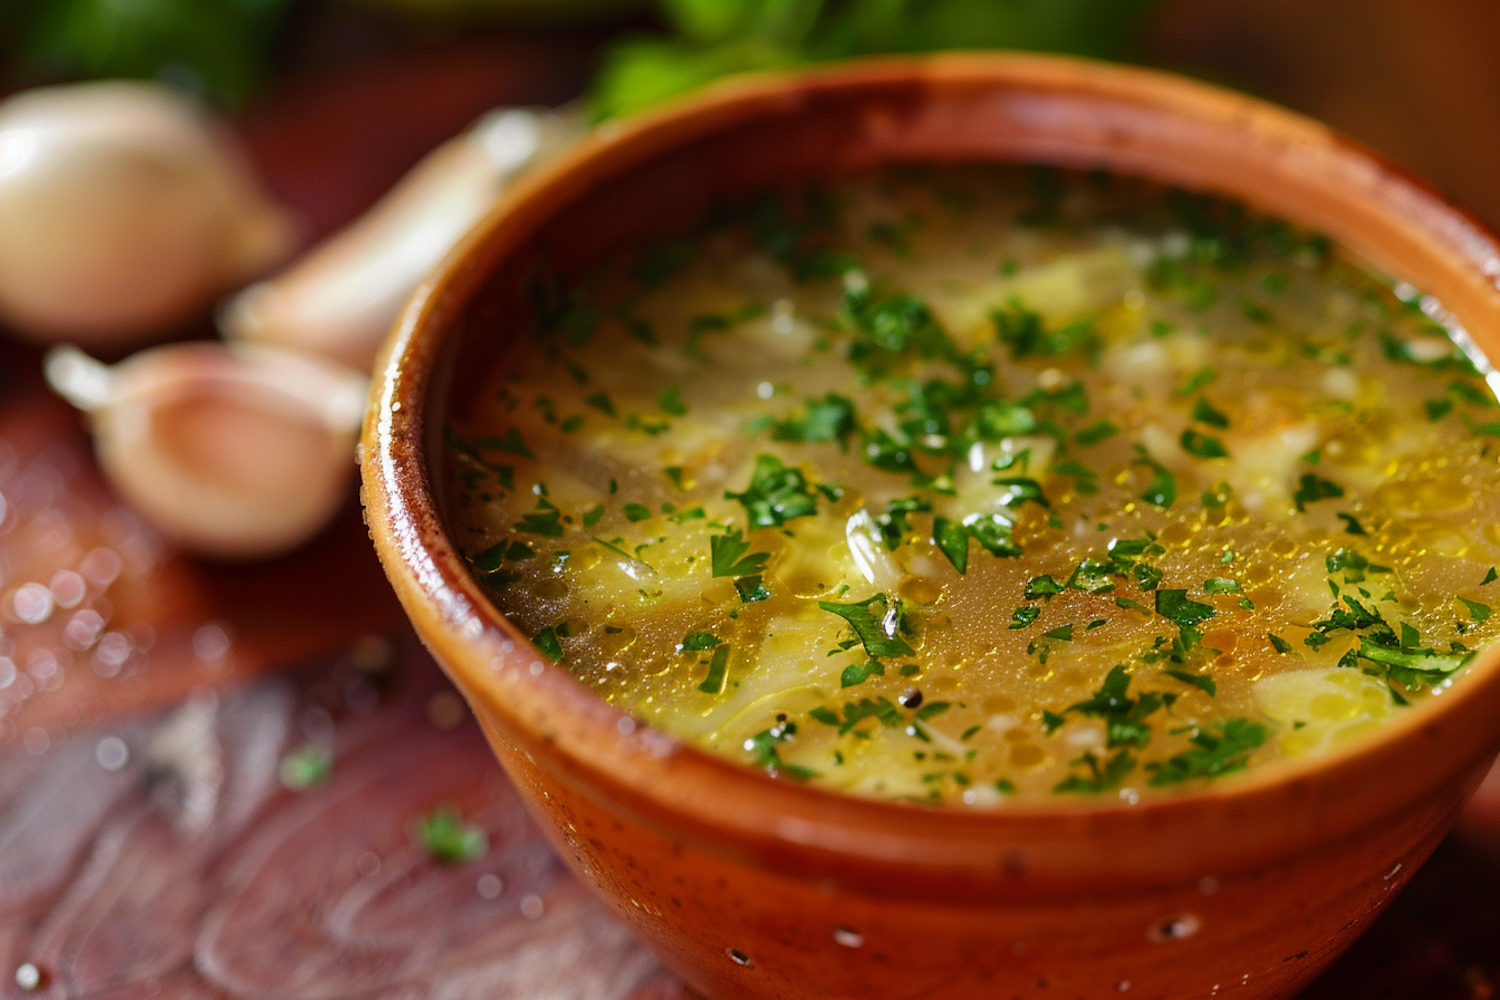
(751, 887)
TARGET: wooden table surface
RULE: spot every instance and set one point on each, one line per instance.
(148, 846)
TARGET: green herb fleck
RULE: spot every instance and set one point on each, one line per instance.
(1176, 607)
(547, 641)
(1162, 490)
(1202, 681)
(877, 622)
(727, 555)
(858, 673)
(1206, 414)
(1024, 616)
(1311, 489)
(510, 442)
(1202, 445)
(695, 642)
(831, 418)
(776, 494)
(546, 520)
(670, 401)
(1041, 586)
(1096, 779)
(751, 589)
(718, 669)
(1217, 750)
(447, 839)
(1478, 612)
(1096, 432)
(305, 767)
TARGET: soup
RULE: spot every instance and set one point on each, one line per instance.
(969, 484)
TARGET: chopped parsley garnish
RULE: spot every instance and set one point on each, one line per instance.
(546, 520)
(858, 673)
(1096, 432)
(1024, 616)
(877, 622)
(992, 533)
(728, 555)
(447, 839)
(547, 641)
(496, 556)
(1202, 445)
(1027, 334)
(509, 442)
(1206, 414)
(1176, 607)
(1198, 380)
(636, 512)
(777, 494)
(1478, 612)
(670, 401)
(895, 523)
(1097, 779)
(1217, 749)
(718, 668)
(1162, 490)
(698, 641)
(952, 541)
(1311, 488)
(831, 418)
(765, 745)
(1351, 525)
(305, 767)
(1202, 681)
(751, 589)
(1042, 586)
(881, 709)
(1124, 717)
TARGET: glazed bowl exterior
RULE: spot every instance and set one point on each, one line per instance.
(751, 887)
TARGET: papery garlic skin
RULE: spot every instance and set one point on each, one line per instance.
(340, 299)
(126, 209)
(232, 451)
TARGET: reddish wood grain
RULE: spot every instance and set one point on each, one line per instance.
(191, 871)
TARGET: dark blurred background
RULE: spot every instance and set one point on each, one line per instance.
(1419, 80)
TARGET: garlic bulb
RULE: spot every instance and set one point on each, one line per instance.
(235, 451)
(125, 210)
(340, 299)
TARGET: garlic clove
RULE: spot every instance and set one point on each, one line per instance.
(126, 210)
(234, 451)
(340, 299)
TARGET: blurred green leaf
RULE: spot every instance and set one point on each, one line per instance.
(640, 72)
(715, 38)
(215, 48)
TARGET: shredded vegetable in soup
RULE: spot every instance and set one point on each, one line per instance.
(975, 484)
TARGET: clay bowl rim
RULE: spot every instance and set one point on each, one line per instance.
(732, 808)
